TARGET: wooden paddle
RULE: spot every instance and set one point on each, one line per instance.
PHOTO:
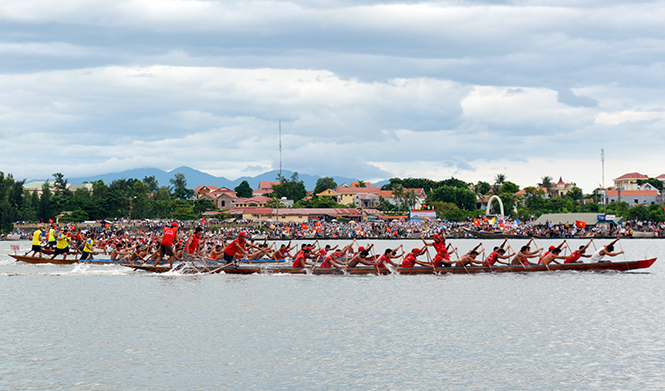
(217, 270)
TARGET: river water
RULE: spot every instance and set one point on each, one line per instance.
(77, 327)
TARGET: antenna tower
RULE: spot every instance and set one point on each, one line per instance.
(602, 159)
(280, 149)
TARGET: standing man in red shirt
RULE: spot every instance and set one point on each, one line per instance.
(442, 256)
(169, 236)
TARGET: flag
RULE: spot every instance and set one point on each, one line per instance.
(492, 221)
(476, 222)
(50, 220)
(203, 220)
(580, 224)
(303, 226)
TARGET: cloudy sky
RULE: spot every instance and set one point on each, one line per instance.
(366, 89)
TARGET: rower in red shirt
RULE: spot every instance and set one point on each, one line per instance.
(442, 257)
(192, 246)
(579, 253)
(410, 258)
(301, 258)
(387, 257)
(166, 243)
(236, 246)
(331, 261)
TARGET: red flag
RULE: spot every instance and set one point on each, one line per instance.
(580, 224)
(203, 219)
(476, 222)
(50, 220)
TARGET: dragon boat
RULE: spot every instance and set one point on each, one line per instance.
(236, 268)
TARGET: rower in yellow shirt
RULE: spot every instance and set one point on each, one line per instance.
(36, 243)
(62, 245)
(86, 254)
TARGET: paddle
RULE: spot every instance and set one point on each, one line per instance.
(457, 255)
(218, 269)
(622, 252)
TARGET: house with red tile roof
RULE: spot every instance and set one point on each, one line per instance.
(631, 197)
(200, 191)
(629, 181)
(562, 188)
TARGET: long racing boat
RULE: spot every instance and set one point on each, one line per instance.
(234, 268)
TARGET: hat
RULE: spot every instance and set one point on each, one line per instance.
(415, 250)
(243, 234)
(361, 248)
(436, 236)
(174, 225)
(551, 248)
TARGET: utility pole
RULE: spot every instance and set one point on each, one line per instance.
(602, 159)
(280, 149)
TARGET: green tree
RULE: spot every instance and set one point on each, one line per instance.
(658, 184)
(482, 188)
(547, 184)
(45, 208)
(203, 205)
(509, 187)
(638, 213)
(180, 190)
(151, 183)
(292, 189)
(183, 210)
(323, 184)
(243, 190)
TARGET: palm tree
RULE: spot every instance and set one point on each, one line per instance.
(499, 180)
(398, 194)
(547, 184)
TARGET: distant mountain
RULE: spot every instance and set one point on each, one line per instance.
(197, 178)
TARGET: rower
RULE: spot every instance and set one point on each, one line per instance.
(236, 246)
(522, 257)
(469, 259)
(331, 261)
(388, 256)
(169, 236)
(86, 254)
(442, 256)
(193, 246)
(577, 254)
(598, 255)
(301, 259)
(495, 256)
(410, 258)
(552, 256)
(36, 242)
(62, 245)
(549, 250)
(361, 257)
(51, 237)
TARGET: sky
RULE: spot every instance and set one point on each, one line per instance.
(365, 89)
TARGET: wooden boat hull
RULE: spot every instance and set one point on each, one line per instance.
(250, 269)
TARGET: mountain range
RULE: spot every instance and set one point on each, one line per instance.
(198, 178)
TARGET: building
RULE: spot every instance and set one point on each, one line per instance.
(36, 186)
(253, 202)
(628, 181)
(200, 191)
(562, 188)
(631, 197)
(347, 193)
(299, 215)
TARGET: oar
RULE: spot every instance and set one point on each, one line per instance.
(378, 272)
(622, 252)
(218, 269)
(457, 255)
